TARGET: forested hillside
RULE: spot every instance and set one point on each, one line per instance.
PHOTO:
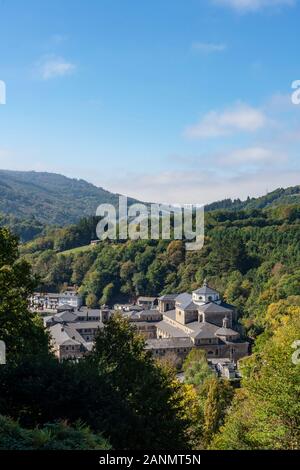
(31, 201)
(49, 198)
(252, 257)
(281, 196)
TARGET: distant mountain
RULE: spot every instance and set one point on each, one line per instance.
(50, 198)
(278, 197)
(35, 199)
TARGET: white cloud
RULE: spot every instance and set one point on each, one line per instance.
(53, 66)
(59, 38)
(253, 5)
(251, 156)
(239, 118)
(200, 187)
(208, 47)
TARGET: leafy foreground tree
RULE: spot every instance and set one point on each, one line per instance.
(153, 411)
(160, 420)
(196, 368)
(266, 412)
(119, 391)
(22, 331)
(213, 397)
(219, 395)
(58, 436)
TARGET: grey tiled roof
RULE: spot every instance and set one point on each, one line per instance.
(185, 302)
(83, 325)
(60, 334)
(203, 330)
(213, 307)
(205, 290)
(171, 330)
(168, 297)
(65, 316)
(147, 299)
(169, 343)
(226, 332)
(91, 312)
(65, 307)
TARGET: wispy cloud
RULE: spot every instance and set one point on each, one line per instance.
(191, 187)
(243, 6)
(208, 47)
(59, 38)
(52, 66)
(251, 156)
(239, 118)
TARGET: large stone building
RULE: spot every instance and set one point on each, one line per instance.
(205, 319)
(72, 332)
(46, 301)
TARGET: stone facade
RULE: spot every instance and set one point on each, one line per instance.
(205, 319)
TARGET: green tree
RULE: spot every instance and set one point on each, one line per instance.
(107, 294)
(91, 301)
(219, 397)
(196, 368)
(22, 331)
(57, 436)
(267, 414)
(149, 389)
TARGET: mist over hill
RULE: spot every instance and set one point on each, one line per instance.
(31, 200)
(50, 198)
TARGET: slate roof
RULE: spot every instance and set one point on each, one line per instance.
(84, 325)
(169, 343)
(205, 290)
(213, 307)
(171, 330)
(91, 312)
(226, 332)
(64, 307)
(62, 334)
(168, 297)
(203, 330)
(65, 316)
(146, 299)
(185, 302)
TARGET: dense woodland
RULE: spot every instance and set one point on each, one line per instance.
(49, 198)
(251, 256)
(31, 201)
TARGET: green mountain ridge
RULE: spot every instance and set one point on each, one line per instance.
(36, 199)
(280, 196)
(50, 198)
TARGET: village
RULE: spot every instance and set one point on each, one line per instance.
(172, 326)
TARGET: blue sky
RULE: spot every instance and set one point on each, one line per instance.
(182, 101)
